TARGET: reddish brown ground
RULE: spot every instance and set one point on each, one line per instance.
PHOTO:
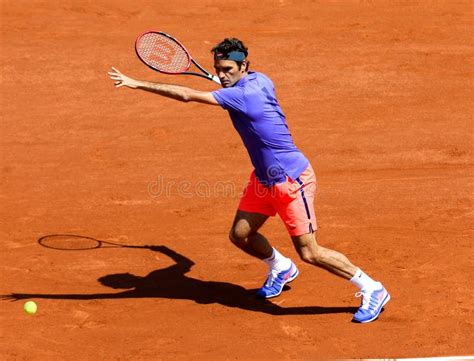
(378, 96)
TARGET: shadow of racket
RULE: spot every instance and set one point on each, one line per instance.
(73, 242)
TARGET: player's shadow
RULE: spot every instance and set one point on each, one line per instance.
(172, 283)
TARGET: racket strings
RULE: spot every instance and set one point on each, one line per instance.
(163, 53)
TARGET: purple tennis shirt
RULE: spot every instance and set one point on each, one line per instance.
(258, 118)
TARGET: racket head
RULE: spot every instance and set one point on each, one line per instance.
(162, 52)
(69, 242)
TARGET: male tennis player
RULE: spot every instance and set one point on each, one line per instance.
(282, 182)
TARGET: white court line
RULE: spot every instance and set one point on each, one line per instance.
(442, 358)
(447, 358)
(438, 358)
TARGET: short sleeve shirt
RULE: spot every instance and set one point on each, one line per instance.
(260, 122)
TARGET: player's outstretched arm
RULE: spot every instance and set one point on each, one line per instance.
(177, 92)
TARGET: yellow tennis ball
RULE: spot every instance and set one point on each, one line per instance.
(30, 307)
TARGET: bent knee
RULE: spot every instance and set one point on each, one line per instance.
(313, 255)
(238, 236)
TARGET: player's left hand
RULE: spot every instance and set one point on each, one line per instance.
(121, 79)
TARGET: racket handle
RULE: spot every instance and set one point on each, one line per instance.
(216, 79)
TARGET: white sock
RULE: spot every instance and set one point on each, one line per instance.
(362, 281)
(277, 261)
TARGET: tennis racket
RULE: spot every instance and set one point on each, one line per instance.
(72, 242)
(162, 52)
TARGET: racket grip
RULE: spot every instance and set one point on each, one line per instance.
(216, 79)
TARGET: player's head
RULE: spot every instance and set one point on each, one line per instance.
(230, 61)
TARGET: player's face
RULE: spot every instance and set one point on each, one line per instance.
(228, 72)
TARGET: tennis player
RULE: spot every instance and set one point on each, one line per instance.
(283, 181)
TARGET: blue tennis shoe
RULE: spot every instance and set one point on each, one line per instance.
(372, 304)
(276, 281)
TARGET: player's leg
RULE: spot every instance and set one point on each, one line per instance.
(254, 209)
(373, 293)
(312, 253)
(294, 203)
(244, 234)
(298, 215)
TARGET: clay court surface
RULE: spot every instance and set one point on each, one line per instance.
(378, 95)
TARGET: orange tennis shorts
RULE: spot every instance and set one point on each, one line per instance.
(293, 200)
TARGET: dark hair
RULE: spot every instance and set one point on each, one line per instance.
(229, 45)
